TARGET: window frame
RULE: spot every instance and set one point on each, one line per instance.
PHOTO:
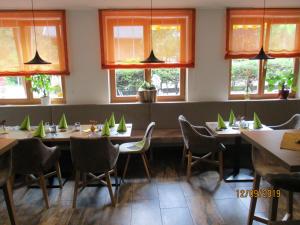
(261, 83)
(147, 77)
(29, 100)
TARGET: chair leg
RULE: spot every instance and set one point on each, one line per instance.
(221, 165)
(109, 186)
(183, 155)
(44, 189)
(189, 165)
(146, 165)
(76, 185)
(256, 183)
(58, 173)
(116, 176)
(273, 208)
(126, 166)
(8, 196)
(290, 205)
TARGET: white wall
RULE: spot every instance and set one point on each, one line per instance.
(88, 83)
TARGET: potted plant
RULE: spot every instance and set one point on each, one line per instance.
(41, 84)
(147, 92)
(283, 93)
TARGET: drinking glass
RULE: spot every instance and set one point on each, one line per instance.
(77, 126)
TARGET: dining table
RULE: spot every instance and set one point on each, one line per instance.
(63, 135)
(233, 133)
(6, 146)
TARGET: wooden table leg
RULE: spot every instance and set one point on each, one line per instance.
(7, 189)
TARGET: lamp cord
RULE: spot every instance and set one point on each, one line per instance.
(33, 21)
(151, 42)
(264, 23)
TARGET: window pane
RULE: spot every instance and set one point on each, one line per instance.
(128, 81)
(56, 88)
(12, 88)
(282, 37)
(244, 75)
(166, 81)
(280, 70)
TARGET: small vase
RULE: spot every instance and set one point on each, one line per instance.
(45, 100)
(283, 93)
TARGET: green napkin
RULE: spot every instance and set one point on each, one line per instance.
(25, 125)
(40, 131)
(63, 122)
(231, 118)
(122, 125)
(105, 129)
(256, 122)
(112, 121)
(221, 123)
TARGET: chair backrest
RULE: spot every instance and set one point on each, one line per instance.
(28, 156)
(148, 135)
(292, 123)
(197, 139)
(93, 155)
(5, 167)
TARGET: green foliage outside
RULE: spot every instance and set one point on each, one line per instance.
(41, 84)
(167, 77)
(128, 81)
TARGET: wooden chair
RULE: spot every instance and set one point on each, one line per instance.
(140, 148)
(279, 178)
(32, 158)
(5, 183)
(92, 156)
(292, 123)
(200, 145)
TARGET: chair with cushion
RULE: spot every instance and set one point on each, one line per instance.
(140, 147)
(5, 183)
(95, 157)
(280, 179)
(34, 160)
(292, 123)
(200, 145)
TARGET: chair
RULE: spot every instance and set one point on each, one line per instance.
(199, 145)
(5, 183)
(279, 178)
(92, 156)
(294, 222)
(32, 158)
(292, 123)
(140, 147)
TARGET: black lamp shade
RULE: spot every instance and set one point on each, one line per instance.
(37, 60)
(262, 55)
(152, 59)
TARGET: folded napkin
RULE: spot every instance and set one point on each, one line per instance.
(256, 122)
(112, 121)
(105, 129)
(232, 118)
(63, 122)
(221, 123)
(290, 141)
(40, 131)
(122, 125)
(25, 125)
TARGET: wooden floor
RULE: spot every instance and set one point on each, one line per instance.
(168, 200)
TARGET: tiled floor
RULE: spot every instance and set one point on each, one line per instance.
(168, 200)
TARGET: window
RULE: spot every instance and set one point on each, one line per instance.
(262, 79)
(17, 44)
(169, 82)
(279, 35)
(127, 37)
(17, 90)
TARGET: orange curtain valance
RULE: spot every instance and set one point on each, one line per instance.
(126, 39)
(246, 33)
(18, 46)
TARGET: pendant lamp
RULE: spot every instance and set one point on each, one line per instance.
(37, 60)
(151, 58)
(262, 55)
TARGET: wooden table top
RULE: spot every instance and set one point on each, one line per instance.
(16, 133)
(270, 141)
(6, 144)
(231, 132)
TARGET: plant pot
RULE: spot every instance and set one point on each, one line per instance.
(45, 100)
(283, 94)
(147, 95)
